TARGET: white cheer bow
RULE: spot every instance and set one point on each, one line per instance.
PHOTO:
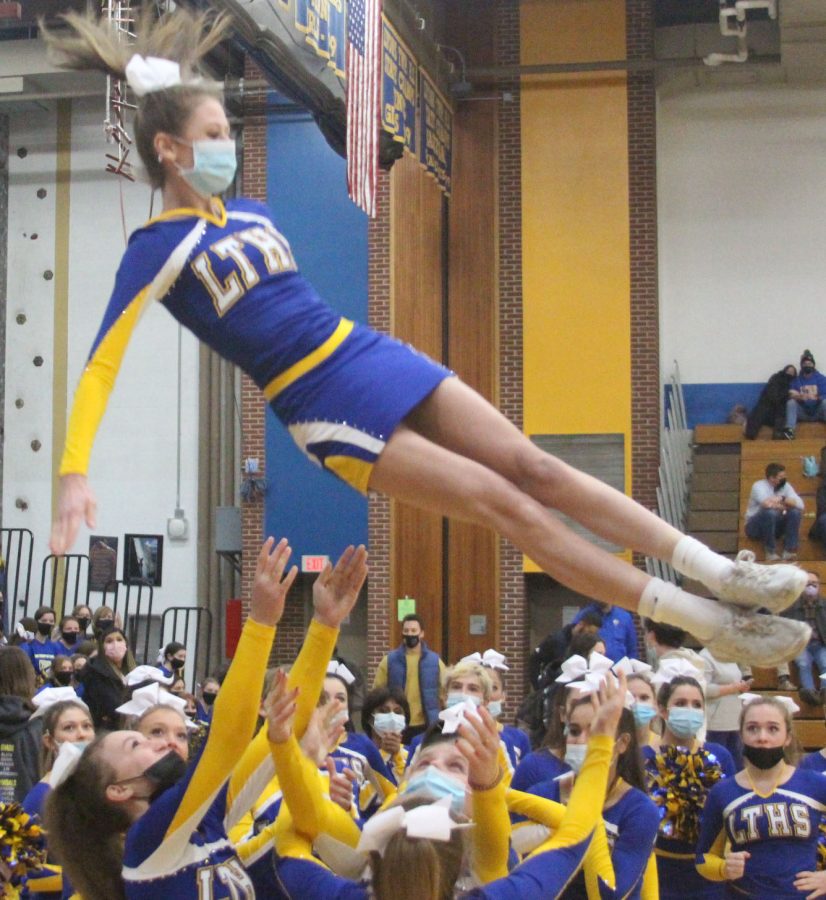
(154, 695)
(490, 659)
(65, 763)
(632, 666)
(51, 695)
(141, 674)
(677, 667)
(145, 75)
(338, 668)
(576, 667)
(790, 705)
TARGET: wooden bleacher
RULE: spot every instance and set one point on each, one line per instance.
(725, 466)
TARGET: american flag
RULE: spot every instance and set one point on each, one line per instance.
(363, 84)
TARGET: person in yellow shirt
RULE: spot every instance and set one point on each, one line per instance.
(417, 670)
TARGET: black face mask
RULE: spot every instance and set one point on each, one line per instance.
(165, 773)
(411, 640)
(176, 664)
(69, 637)
(806, 370)
(84, 624)
(64, 678)
(209, 697)
(763, 757)
(780, 485)
(104, 625)
(44, 628)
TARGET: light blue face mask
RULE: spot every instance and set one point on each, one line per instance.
(575, 756)
(684, 722)
(389, 723)
(457, 697)
(495, 708)
(432, 782)
(643, 714)
(213, 166)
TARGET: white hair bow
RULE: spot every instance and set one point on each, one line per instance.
(431, 821)
(140, 674)
(65, 763)
(632, 666)
(51, 695)
(678, 667)
(790, 705)
(145, 75)
(490, 659)
(154, 695)
(20, 628)
(576, 667)
(337, 668)
(454, 715)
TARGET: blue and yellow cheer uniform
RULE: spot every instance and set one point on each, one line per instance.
(779, 830)
(229, 277)
(179, 846)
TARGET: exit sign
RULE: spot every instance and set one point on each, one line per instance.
(314, 563)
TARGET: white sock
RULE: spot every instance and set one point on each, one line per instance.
(665, 602)
(691, 557)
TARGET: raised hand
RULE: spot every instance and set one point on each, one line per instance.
(323, 731)
(341, 785)
(75, 504)
(270, 585)
(609, 704)
(279, 709)
(336, 589)
(479, 744)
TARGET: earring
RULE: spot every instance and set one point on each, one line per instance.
(160, 158)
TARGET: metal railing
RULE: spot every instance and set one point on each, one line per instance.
(674, 471)
(16, 548)
(192, 627)
(72, 589)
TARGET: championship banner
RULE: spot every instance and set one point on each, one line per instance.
(322, 25)
(436, 125)
(398, 88)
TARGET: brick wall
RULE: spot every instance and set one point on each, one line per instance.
(513, 611)
(642, 181)
(378, 508)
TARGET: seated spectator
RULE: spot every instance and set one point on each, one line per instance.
(83, 614)
(384, 718)
(24, 631)
(79, 661)
(206, 699)
(617, 630)
(41, 650)
(774, 510)
(103, 618)
(806, 396)
(811, 608)
(104, 688)
(818, 530)
(770, 408)
(61, 673)
(20, 765)
(173, 659)
(69, 630)
(554, 649)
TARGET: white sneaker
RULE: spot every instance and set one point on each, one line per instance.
(772, 587)
(755, 639)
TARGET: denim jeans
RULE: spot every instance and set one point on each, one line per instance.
(796, 410)
(766, 525)
(816, 652)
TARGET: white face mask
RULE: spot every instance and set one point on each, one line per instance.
(389, 723)
(213, 165)
(495, 708)
(575, 756)
(454, 698)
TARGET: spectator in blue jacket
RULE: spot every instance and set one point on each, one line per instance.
(42, 650)
(806, 396)
(618, 630)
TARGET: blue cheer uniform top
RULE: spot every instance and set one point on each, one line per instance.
(813, 762)
(230, 277)
(179, 846)
(779, 830)
(541, 765)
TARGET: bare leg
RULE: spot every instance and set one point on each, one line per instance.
(459, 419)
(414, 469)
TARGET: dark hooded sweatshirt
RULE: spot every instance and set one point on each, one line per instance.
(19, 749)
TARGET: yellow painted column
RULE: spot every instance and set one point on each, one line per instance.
(575, 224)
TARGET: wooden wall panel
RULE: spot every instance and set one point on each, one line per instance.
(416, 285)
(472, 550)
